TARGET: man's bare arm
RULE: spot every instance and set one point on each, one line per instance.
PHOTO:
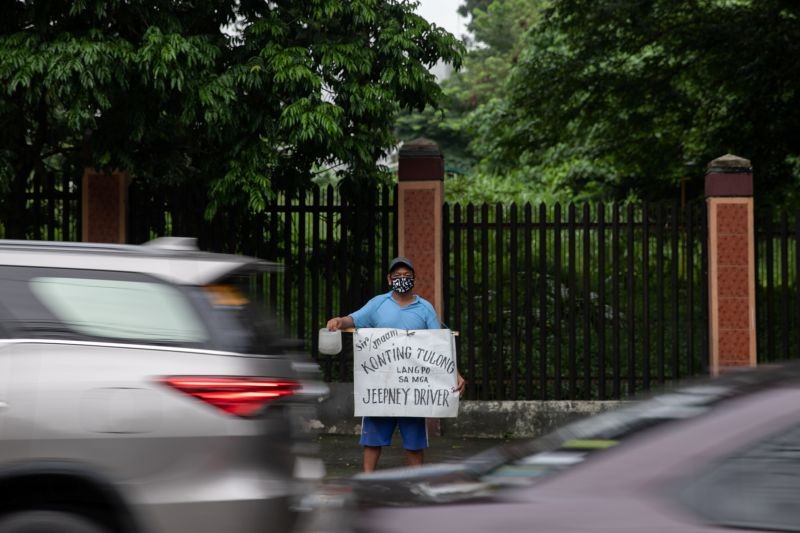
(340, 322)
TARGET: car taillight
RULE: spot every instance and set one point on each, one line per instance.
(234, 395)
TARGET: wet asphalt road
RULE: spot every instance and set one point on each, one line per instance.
(342, 453)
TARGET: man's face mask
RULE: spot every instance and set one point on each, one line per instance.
(402, 284)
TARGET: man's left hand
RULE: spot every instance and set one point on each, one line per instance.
(461, 384)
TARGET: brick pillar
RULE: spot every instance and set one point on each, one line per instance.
(420, 199)
(105, 206)
(731, 264)
(419, 212)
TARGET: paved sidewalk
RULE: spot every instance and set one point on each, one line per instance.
(342, 453)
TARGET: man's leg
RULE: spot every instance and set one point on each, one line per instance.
(415, 439)
(376, 432)
(371, 456)
(415, 457)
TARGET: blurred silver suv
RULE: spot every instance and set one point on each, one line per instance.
(142, 389)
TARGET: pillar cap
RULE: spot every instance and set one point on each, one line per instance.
(420, 147)
(729, 175)
(420, 160)
(729, 164)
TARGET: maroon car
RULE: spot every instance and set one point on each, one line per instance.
(716, 455)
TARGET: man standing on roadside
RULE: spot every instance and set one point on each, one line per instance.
(400, 308)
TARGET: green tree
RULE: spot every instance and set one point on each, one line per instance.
(496, 30)
(243, 97)
(612, 99)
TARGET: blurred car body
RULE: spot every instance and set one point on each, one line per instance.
(142, 390)
(712, 456)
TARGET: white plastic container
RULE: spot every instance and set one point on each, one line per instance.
(330, 342)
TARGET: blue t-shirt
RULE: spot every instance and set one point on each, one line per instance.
(384, 312)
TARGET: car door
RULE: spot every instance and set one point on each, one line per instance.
(19, 367)
(5, 380)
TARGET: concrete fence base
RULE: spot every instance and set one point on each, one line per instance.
(476, 419)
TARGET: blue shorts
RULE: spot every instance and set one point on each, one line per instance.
(378, 431)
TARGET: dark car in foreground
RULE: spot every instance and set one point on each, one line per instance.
(715, 455)
(144, 389)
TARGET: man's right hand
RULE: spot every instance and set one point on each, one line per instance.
(340, 322)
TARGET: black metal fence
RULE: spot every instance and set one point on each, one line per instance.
(576, 302)
(552, 302)
(52, 209)
(777, 251)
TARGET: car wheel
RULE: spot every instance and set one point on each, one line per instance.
(47, 522)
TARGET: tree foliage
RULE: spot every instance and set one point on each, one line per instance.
(611, 99)
(242, 96)
(496, 31)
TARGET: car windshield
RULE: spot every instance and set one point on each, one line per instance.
(574, 443)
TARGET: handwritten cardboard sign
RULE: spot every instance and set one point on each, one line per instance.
(399, 372)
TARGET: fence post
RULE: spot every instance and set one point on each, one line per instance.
(420, 198)
(104, 206)
(731, 268)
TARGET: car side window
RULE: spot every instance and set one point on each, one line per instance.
(119, 309)
(73, 304)
(756, 488)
